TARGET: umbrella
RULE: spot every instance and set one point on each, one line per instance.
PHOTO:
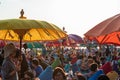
(71, 39)
(29, 30)
(108, 31)
(34, 45)
(53, 43)
(75, 38)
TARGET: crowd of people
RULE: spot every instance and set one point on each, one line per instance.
(59, 64)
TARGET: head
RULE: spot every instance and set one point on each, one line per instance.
(93, 67)
(90, 61)
(25, 46)
(35, 62)
(80, 77)
(113, 75)
(9, 50)
(59, 74)
(28, 75)
(103, 77)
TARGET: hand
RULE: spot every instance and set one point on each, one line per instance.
(17, 67)
(36, 79)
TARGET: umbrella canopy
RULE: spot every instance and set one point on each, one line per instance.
(107, 31)
(71, 39)
(75, 38)
(29, 30)
(34, 45)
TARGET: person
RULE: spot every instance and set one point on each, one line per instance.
(93, 69)
(59, 74)
(67, 66)
(1, 59)
(24, 65)
(37, 67)
(28, 75)
(9, 69)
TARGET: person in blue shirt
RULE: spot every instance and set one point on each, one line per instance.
(37, 67)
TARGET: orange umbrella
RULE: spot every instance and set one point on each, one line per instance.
(107, 31)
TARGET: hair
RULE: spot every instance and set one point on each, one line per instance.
(103, 77)
(25, 46)
(80, 77)
(35, 62)
(9, 49)
(59, 69)
(93, 67)
(18, 53)
(90, 61)
(30, 74)
(24, 65)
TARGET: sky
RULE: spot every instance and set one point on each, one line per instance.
(77, 16)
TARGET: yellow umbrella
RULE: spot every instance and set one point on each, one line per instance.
(29, 30)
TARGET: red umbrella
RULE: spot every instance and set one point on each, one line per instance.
(107, 31)
(53, 43)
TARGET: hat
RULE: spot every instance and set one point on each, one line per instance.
(9, 49)
(113, 75)
(106, 67)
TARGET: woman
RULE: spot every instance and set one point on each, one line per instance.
(59, 74)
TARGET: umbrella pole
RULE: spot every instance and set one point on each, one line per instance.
(21, 17)
(20, 43)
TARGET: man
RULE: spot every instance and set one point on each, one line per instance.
(9, 70)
